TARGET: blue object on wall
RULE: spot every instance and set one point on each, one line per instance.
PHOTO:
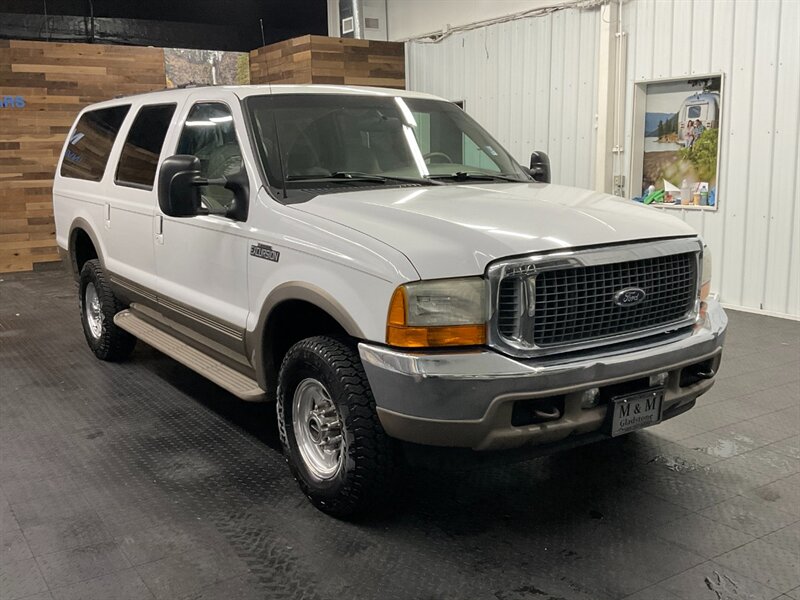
(12, 101)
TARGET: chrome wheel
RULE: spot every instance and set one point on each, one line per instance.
(93, 310)
(317, 429)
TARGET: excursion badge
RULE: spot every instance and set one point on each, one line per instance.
(265, 252)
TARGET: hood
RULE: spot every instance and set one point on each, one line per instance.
(454, 230)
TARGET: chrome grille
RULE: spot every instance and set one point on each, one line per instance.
(577, 304)
(509, 307)
(565, 300)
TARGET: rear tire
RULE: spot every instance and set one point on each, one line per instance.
(98, 306)
(333, 441)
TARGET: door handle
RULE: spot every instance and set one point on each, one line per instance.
(159, 230)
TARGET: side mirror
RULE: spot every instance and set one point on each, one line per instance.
(239, 184)
(178, 186)
(540, 167)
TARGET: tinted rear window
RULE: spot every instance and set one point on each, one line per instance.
(139, 158)
(88, 149)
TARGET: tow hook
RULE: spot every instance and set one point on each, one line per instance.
(550, 413)
(709, 374)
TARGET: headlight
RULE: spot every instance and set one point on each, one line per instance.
(705, 274)
(444, 312)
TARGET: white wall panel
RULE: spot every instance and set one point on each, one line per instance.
(755, 234)
(412, 18)
(530, 82)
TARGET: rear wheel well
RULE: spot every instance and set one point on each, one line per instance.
(82, 250)
(288, 323)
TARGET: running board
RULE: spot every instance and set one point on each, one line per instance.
(236, 383)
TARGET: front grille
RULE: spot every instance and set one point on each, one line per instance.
(509, 307)
(576, 303)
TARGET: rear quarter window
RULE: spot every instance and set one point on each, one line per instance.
(89, 146)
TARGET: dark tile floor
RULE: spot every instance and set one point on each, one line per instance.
(142, 480)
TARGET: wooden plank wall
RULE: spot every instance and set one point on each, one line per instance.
(341, 61)
(56, 81)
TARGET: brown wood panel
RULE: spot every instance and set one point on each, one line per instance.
(319, 59)
(57, 81)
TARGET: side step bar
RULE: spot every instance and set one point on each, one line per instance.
(236, 383)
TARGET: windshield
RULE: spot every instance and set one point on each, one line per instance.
(336, 139)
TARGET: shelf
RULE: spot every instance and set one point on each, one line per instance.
(684, 207)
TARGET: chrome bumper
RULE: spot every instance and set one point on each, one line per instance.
(465, 399)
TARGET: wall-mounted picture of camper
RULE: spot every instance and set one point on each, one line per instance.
(681, 133)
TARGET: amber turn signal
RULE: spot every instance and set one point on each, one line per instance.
(405, 336)
(433, 337)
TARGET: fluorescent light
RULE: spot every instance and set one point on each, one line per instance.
(224, 119)
(200, 124)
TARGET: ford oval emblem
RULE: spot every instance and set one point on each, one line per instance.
(629, 296)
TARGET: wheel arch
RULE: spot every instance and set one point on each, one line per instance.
(291, 312)
(83, 245)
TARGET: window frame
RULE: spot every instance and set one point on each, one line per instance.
(139, 186)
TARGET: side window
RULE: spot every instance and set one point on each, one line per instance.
(88, 149)
(139, 158)
(210, 135)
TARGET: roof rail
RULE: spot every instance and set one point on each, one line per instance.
(182, 86)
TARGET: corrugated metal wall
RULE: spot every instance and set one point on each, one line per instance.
(530, 82)
(755, 234)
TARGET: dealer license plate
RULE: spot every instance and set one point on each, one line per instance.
(635, 411)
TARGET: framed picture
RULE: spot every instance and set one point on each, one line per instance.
(675, 146)
(186, 66)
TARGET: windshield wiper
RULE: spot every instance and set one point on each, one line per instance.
(345, 176)
(473, 176)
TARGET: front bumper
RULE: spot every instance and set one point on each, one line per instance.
(466, 399)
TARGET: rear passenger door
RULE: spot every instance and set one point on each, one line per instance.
(201, 261)
(132, 200)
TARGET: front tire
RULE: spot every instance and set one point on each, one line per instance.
(333, 441)
(98, 306)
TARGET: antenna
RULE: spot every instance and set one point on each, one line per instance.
(263, 41)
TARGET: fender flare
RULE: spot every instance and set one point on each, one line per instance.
(294, 290)
(82, 224)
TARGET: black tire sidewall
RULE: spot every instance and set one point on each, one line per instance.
(113, 343)
(301, 365)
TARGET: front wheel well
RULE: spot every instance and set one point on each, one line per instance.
(288, 323)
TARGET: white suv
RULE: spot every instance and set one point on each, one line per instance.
(380, 267)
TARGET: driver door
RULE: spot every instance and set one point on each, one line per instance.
(201, 261)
